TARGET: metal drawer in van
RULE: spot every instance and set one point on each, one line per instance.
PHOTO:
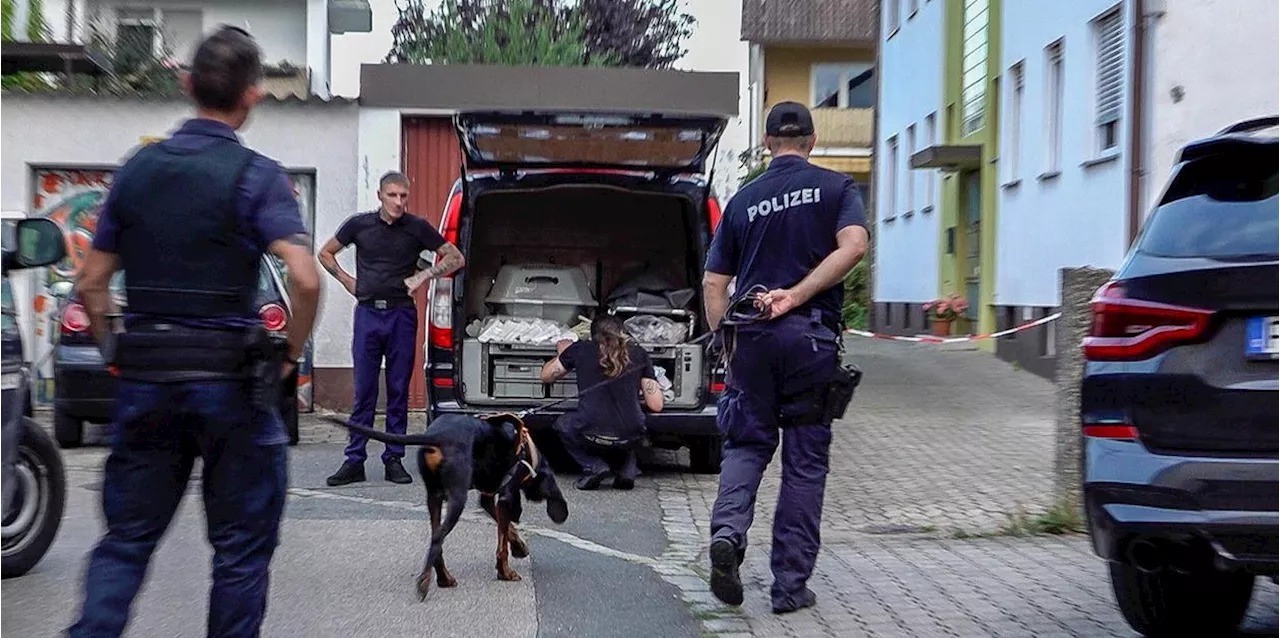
(683, 365)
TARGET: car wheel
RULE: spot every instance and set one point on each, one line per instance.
(289, 407)
(67, 430)
(1168, 603)
(705, 454)
(36, 511)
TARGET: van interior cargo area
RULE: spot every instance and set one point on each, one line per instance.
(612, 235)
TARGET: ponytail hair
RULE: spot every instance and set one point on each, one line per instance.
(611, 338)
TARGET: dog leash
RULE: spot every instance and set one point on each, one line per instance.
(523, 413)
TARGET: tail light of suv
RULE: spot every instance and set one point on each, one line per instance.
(1126, 329)
(440, 295)
(74, 319)
(274, 317)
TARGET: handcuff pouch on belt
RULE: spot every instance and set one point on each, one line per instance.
(168, 352)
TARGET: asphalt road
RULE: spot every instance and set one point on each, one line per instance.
(349, 556)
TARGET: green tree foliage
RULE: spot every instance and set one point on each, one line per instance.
(644, 33)
(35, 30)
(512, 32)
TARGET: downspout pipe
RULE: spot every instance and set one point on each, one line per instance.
(1137, 119)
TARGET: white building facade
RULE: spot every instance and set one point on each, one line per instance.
(908, 113)
(292, 33)
(1212, 63)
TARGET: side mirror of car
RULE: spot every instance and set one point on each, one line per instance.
(38, 242)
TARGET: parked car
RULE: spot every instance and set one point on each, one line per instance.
(607, 193)
(35, 481)
(85, 392)
(1178, 402)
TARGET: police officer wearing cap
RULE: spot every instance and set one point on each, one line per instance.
(789, 238)
(188, 221)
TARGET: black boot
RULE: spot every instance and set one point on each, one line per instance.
(347, 474)
(396, 472)
(795, 602)
(725, 582)
(591, 480)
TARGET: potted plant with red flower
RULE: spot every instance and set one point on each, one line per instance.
(944, 310)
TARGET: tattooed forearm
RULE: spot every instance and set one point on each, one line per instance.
(448, 260)
(651, 387)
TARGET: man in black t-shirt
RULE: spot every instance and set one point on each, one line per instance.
(387, 243)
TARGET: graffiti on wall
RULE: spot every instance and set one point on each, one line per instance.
(73, 199)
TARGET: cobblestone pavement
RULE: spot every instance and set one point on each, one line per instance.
(935, 441)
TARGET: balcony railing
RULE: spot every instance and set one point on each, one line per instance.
(844, 127)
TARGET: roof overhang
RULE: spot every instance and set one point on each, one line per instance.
(467, 87)
(49, 57)
(949, 157)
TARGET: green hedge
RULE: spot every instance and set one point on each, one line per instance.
(856, 297)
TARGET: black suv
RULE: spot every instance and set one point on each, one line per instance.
(1179, 396)
(35, 480)
(587, 197)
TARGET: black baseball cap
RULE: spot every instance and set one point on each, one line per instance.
(788, 119)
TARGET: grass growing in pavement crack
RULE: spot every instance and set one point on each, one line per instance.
(1058, 519)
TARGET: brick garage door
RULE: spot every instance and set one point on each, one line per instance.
(431, 157)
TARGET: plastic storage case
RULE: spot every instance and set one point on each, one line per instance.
(559, 293)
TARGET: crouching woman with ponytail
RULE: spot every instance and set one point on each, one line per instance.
(609, 418)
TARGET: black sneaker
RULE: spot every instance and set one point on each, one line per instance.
(797, 602)
(620, 483)
(590, 482)
(347, 474)
(725, 583)
(396, 472)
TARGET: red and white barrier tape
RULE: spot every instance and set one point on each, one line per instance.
(928, 339)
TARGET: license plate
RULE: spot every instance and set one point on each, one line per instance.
(1262, 338)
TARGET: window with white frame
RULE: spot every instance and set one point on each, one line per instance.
(849, 85)
(1054, 85)
(891, 184)
(1013, 128)
(1108, 37)
(894, 17)
(911, 175)
(930, 180)
(973, 73)
(144, 33)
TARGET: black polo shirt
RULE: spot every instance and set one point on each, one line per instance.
(386, 254)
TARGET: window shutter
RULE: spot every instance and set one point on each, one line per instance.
(1110, 71)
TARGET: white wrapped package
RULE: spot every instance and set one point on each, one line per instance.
(655, 330)
(668, 393)
(523, 330)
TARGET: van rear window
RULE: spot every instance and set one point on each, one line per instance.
(1219, 207)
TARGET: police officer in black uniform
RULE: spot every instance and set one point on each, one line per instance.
(789, 238)
(188, 221)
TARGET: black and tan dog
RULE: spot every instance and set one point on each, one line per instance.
(493, 455)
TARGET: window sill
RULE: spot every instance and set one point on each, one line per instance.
(892, 32)
(1104, 158)
(1013, 183)
(926, 210)
(908, 214)
(913, 13)
(1048, 175)
(889, 220)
